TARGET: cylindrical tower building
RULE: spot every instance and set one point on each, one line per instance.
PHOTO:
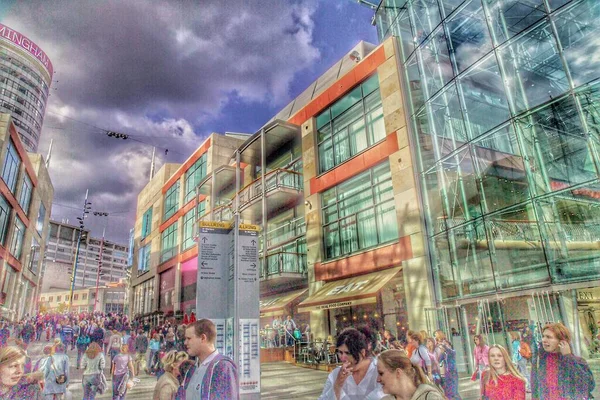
(25, 78)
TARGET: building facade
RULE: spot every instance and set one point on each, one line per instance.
(109, 298)
(99, 263)
(26, 194)
(25, 78)
(163, 278)
(501, 103)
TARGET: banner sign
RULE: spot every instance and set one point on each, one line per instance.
(20, 40)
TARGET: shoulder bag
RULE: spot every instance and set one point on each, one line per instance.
(59, 378)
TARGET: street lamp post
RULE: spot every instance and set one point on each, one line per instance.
(100, 261)
(80, 236)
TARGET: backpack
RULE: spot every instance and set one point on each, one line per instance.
(525, 350)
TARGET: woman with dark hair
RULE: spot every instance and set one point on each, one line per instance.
(399, 377)
(502, 380)
(556, 372)
(357, 376)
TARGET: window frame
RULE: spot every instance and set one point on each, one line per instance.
(10, 169)
(171, 201)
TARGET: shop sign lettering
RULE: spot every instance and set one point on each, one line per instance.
(585, 295)
(351, 287)
(339, 304)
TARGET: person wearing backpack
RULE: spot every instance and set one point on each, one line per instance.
(518, 346)
(447, 358)
(83, 342)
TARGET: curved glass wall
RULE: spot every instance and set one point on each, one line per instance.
(505, 115)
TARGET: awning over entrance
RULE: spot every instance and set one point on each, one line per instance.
(348, 292)
(275, 305)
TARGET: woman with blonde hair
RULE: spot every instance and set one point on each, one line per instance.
(400, 378)
(93, 364)
(14, 384)
(168, 383)
(502, 380)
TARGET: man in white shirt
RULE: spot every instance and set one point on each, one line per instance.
(215, 376)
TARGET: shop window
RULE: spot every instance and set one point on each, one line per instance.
(171, 201)
(146, 223)
(193, 176)
(169, 242)
(10, 171)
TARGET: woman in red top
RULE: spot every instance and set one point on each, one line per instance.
(502, 380)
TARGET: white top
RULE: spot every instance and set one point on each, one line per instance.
(94, 365)
(367, 389)
(194, 388)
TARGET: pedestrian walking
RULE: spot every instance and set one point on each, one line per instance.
(93, 364)
(215, 377)
(357, 376)
(446, 356)
(502, 381)
(141, 346)
(517, 359)
(121, 371)
(420, 355)
(556, 372)
(168, 384)
(480, 356)
(56, 374)
(14, 384)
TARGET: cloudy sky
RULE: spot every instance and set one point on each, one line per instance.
(168, 73)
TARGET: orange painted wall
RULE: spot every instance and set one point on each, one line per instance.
(355, 165)
(369, 261)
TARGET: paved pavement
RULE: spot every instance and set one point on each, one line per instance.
(279, 380)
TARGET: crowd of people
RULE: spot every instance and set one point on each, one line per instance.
(182, 357)
(186, 364)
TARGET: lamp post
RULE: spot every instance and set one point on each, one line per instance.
(80, 236)
(100, 214)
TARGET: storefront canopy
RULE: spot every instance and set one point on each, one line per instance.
(348, 292)
(275, 305)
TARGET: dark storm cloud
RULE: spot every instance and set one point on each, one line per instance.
(157, 70)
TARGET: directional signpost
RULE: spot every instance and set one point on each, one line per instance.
(229, 296)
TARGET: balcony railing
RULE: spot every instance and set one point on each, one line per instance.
(221, 214)
(285, 232)
(276, 179)
(282, 263)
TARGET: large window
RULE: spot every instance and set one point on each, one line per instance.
(144, 259)
(351, 125)
(193, 176)
(359, 213)
(5, 210)
(188, 226)
(25, 196)
(169, 243)
(10, 171)
(171, 201)
(16, 243)
(39, 224)
(147, 223)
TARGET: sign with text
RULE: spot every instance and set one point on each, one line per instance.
(23, 42)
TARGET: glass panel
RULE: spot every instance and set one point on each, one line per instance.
(346, 102)
(425, 17)
(459, 189)
(501, 168)
(370, 85)
(590, 104)
(555, 4)
(406, 38)
(485, 101)
(469, 36)
(509, 17)
(571, 223)
(448, 6)
(471, 258)
(332, 241)
(323, 119)
(447, 122)
(366, 228)
(534, 71)
(557, 146)
(434, 199)
(578, 30)
(518, 255)
(387, 222)
(413, 77)
(374, 118)
(435, 65)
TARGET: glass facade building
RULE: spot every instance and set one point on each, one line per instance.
(503, 100)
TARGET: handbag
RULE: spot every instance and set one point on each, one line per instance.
(59, 378)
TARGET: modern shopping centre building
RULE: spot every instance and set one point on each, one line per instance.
(25, 78)
(447, 178)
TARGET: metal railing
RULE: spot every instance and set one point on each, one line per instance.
(282, 262)
(289, 230)
(278, 178)
(221, 213)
